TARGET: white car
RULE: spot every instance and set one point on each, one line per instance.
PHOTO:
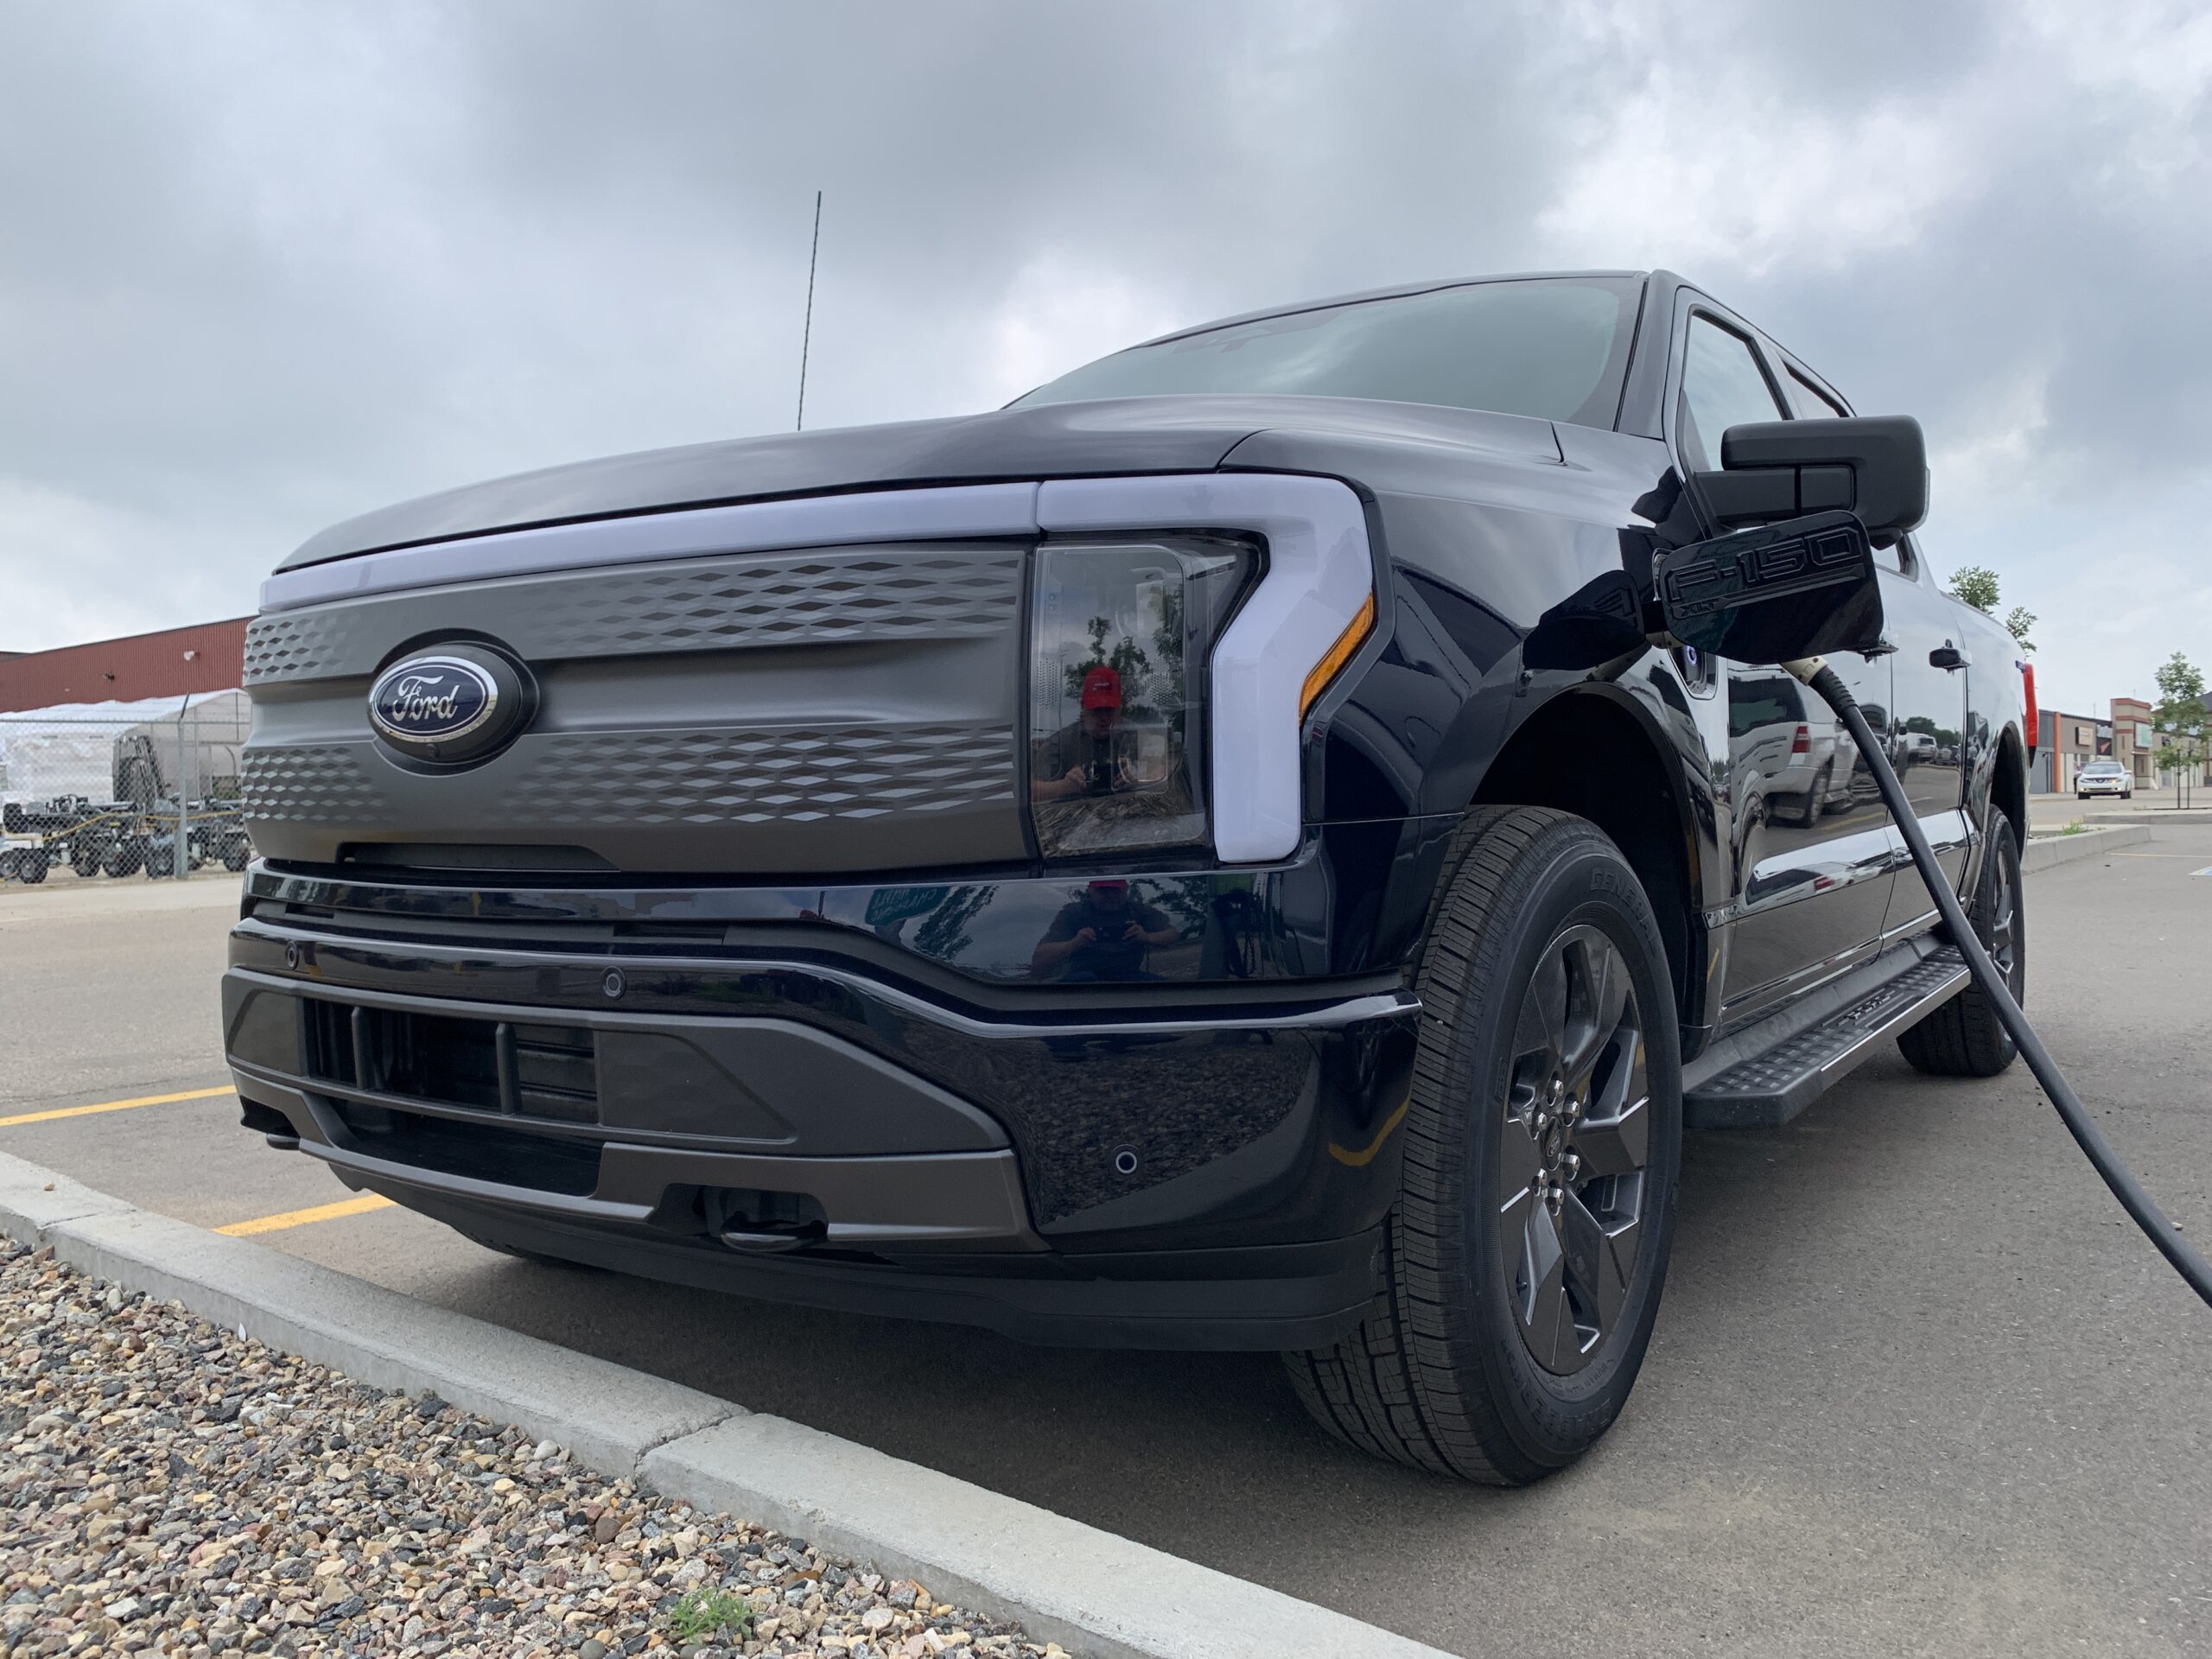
(2104, 777)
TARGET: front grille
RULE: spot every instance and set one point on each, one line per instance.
(478, 1151)
(692, 605)
(812, 711)
(543, 1072)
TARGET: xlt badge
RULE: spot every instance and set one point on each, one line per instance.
(451, 708)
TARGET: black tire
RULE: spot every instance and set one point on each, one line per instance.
(1443, 1373)
(31, 864)
(1815, 799)
(123, 859)
(1964, 1037)
(236, 853)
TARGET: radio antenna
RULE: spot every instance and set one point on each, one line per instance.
(806, 336)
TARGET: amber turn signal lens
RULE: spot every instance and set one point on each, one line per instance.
(1350, 639)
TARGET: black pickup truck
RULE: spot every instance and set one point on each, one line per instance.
(1161, 864)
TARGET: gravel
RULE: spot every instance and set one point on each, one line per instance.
(169, 1488)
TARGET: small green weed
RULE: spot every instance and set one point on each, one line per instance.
(702, 1612)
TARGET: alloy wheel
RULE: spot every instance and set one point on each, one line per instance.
(1573, 1142)
(2003, 940)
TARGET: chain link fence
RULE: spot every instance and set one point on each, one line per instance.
(113, 790)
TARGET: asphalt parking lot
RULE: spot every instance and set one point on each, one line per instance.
(1916, 1386)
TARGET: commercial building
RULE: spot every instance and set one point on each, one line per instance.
(206, 657)
(2064, 744)
(2067, 742)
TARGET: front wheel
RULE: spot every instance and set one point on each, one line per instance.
(1526, 1254)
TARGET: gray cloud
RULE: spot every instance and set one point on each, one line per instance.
(266, 266)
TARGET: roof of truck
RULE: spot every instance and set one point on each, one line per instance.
(1396, 291)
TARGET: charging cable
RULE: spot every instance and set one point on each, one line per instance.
(1815, 673)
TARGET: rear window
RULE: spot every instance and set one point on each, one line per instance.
(1553, 348)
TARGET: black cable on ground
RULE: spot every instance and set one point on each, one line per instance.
(2124, 1187)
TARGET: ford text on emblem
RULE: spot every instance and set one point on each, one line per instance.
(449, 708)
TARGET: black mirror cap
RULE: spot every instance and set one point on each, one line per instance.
(1873, 466)
(1777, 593)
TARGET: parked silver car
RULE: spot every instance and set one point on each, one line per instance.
(2104, 777)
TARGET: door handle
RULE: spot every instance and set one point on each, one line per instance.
(1948, 656)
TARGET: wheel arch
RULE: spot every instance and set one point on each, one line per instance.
(1545, 762)
(2008, 783)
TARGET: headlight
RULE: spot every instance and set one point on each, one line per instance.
(1121, 635)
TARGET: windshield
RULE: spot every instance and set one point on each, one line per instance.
(2102, 768)
(1554, 349)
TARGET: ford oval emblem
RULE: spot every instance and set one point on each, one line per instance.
(449, 708)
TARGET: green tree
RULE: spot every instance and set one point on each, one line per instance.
(2180, 715)
(1977, 586)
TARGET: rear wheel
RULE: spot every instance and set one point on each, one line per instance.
(31, 864)
(1526, 1255)
(1809, 813)
(1964, 1038)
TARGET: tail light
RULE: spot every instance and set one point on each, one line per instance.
(1121, 634)
(2028, 685)
(1803, 743)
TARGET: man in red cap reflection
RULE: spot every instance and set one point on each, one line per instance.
(1103, 933)
(1079, 758)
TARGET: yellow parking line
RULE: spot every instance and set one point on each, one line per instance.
(359, 1206)
(112, 1106)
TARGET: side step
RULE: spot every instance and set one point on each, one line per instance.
(1770, 1087)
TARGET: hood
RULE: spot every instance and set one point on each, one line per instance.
(1119, 436)
(1126, 434)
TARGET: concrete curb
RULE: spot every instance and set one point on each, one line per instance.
(1092, 1591)
(2042, 852)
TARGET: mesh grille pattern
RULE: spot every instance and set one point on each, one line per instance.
(733, 606)
(696, 605)
(794, 777)
(317, 783)
(306, 644)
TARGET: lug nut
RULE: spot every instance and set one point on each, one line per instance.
(1543, 1122)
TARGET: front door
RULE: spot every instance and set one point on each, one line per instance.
(1928, 739)
(1809, 837)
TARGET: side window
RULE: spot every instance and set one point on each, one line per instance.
(1810, 402)
(1722, 386)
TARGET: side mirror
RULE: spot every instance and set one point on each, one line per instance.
(1874, 466)
(1777, 593)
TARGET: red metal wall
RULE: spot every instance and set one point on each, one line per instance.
(143, 665)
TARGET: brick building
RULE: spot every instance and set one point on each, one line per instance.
(206, 657)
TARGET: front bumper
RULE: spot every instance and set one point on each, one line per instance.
(1165, 1167)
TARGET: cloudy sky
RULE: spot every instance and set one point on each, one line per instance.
(264, 266)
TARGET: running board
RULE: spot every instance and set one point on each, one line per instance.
(1771, 1087)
